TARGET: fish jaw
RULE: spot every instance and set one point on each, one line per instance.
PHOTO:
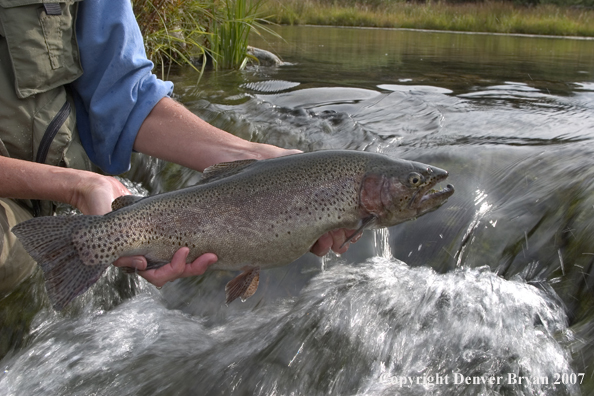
(433, 199)
(427, 198)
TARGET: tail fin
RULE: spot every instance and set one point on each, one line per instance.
(49, 241)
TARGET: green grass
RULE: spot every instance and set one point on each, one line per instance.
(494, 17)
(183, 31)
(228, 40)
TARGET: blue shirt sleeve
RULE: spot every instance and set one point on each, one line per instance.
(117, 90)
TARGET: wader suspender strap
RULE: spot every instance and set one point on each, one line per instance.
(52, 8)
(49, 135)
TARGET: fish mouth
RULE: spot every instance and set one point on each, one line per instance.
(429, 198)
(438, 195)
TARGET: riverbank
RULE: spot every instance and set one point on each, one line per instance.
(491, 17)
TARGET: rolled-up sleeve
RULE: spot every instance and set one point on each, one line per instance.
(117, 90)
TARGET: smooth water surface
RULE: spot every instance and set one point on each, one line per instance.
(491, 294)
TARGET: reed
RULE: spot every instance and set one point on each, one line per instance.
(190, 32)
(230, 29)
(494, 17)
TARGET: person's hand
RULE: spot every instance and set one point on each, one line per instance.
(264, 151)
(178, 268)
(334, 240)
(94, 194)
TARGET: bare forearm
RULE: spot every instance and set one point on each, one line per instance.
(30, 180)
(90, 192)
(173, 133)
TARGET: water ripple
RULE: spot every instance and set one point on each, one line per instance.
(324, 118)
(358, 329)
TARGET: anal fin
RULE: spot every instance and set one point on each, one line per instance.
(243, 285)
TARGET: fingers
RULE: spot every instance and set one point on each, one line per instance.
(291, 152)
(270, 151)
(338, 239)
(200, 265)
(333, 240)
(178, 268)
(119, 188)
(137, 262)
(323, 245)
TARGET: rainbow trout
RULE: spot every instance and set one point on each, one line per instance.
(251, 214)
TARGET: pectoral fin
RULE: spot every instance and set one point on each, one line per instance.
(367, 222)
(243, 285)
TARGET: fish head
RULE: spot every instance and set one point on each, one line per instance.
(403, 191)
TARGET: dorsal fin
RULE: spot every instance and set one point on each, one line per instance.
(225, 169)
(124, 200)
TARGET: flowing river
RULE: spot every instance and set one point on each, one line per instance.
(492, 294)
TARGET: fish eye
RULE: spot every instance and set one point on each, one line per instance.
(415, 179)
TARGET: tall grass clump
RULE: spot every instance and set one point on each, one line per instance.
(229, 31)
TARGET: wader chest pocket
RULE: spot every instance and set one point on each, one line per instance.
(42, 43)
